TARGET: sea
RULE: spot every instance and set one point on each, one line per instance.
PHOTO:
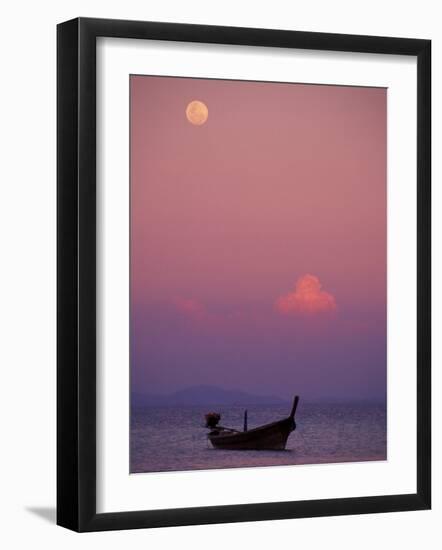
(175, 439)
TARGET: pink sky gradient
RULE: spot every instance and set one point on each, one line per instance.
(275, 206)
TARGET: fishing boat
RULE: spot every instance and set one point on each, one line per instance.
(271, 436)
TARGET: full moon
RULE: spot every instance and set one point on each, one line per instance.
(197, 112)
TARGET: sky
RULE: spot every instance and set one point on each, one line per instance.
(258, 238)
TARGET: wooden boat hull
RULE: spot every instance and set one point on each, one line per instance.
(272, 436)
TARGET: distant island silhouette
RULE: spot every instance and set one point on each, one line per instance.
(203, 396)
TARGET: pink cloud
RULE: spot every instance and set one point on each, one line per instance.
(306, 298)
(190, 308)
(197, 312)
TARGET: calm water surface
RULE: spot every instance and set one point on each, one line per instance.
(174, 439)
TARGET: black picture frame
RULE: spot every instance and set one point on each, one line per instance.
(77, 288)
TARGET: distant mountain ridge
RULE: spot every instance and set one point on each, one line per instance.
(204, 396)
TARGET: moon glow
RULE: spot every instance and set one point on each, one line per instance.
(197, 112)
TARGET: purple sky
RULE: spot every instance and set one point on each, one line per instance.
(258, 239)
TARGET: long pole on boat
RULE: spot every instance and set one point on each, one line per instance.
(295, 404)
(245, 420)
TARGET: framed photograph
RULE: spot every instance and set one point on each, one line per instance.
(243, 274)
